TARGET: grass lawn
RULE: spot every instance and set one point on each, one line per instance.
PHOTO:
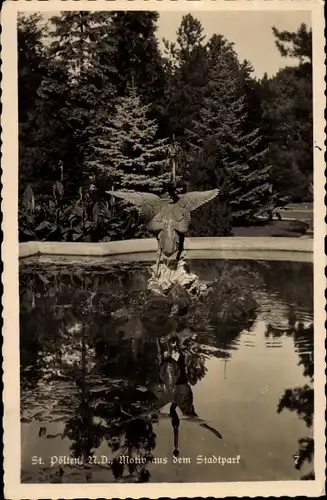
(289, 226)
(299, 211)
(285, 228)
(300, 206)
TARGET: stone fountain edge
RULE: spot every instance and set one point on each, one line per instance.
(201, 247)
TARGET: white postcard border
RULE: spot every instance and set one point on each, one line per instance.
(11, 395)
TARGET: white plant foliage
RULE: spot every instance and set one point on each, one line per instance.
(167, 277)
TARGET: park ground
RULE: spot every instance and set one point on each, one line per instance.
(294, 212)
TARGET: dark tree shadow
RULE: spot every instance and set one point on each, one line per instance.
(301, 399)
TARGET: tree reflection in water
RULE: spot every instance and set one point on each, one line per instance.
(297, 399)
(95, 361)
(301, 399)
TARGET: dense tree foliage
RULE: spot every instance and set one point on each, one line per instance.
(126, 149)
(287, 120)
(31, 72)
(97, 99)
(221, 154)
(83, 47)
(186, 77)
(137, 57)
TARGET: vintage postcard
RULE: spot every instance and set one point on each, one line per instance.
(163, 220)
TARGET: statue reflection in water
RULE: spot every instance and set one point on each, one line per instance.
(176, 389)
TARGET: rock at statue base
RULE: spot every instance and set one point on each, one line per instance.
(170, 280)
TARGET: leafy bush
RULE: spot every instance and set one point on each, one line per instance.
(86, 219)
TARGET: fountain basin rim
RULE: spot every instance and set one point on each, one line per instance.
(269, 248)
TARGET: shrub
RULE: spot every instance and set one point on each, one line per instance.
(55, 218)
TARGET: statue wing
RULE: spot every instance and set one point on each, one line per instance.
(195, 199)
(214, 431)
(148, 203)
(170, 214)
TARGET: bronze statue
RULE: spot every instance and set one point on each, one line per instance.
(169, 221)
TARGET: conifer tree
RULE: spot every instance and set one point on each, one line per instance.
(250, 88)
(295, 44)
(186, 77)
(287, 117)
(137, 56)
(31, 71)
(78, 89)
(221, 154)
(127, 150)
(84, 42)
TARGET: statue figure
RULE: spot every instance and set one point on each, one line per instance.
(169, 221)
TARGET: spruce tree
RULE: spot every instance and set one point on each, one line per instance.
(127, 150)
(79, 88)
(222, 155)
(137, 56)
(250, 88)
(185, 68)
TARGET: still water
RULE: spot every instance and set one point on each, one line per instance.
(93, 402)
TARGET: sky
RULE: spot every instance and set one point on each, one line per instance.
(250, 31)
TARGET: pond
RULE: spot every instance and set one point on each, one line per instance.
(93, 401)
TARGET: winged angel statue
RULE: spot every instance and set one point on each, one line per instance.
(169, 221)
